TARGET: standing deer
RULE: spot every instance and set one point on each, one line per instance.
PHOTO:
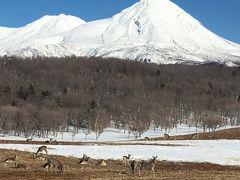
(149, 164)
(126, 159)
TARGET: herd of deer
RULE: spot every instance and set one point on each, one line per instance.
(57, 166)
(135, 165)
(50, 141)
(167, 137)
(49, 165)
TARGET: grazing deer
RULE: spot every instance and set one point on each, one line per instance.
(49, 141)
(21, 166)
(54, 163)
(101, 162)
(11, 159)
(166, 136)
(55, 142)
(149, 164)
(84, 159)
(29, 139)
(147, 139)
(126, 159)
(195, 136)
(46, 166)
(42, 149)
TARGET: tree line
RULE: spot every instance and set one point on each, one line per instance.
(43, 95)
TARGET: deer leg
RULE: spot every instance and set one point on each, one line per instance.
(153, 171)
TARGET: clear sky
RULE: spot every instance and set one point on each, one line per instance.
(220, 16)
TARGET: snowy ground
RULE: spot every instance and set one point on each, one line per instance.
(111, 134)
(225, 152)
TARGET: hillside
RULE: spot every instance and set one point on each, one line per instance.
(90, 94)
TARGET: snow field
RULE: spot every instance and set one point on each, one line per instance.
(224, 152)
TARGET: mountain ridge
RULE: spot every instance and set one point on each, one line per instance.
(156, 30)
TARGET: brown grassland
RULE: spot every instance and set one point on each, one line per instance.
(113, 170)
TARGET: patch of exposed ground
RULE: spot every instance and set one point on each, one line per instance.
(233, 133)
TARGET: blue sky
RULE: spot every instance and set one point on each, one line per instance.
(220, 16)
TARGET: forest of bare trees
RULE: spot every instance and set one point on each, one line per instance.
(52, 95)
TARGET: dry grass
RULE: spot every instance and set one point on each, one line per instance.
(114, 170)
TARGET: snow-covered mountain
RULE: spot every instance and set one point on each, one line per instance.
(156, 30)
(41, 37)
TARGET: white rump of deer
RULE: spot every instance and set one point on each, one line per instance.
(101, 162)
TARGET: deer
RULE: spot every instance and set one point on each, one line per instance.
(84, 159)
(41, 149)
(195, 136)
(134, 166)
(49, 141)
(29, 139)
(101, 162)
(147, 139)
(126, 159)
(55, 142)
(149, 164)
(54, 163)
(166, 136)
(11, 159)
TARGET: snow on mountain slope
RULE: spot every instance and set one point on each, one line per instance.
(34, 38)
(161, 31)
(157, 30)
